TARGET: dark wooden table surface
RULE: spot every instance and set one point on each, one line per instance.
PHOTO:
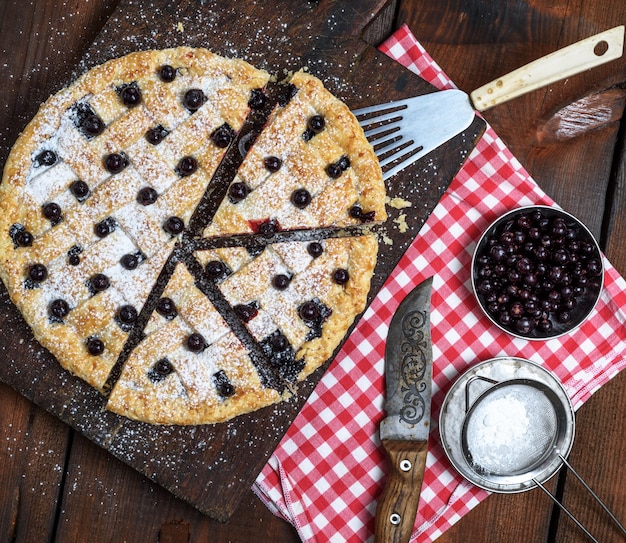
(57, 486)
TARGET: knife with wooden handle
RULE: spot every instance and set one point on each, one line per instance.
(404, 431)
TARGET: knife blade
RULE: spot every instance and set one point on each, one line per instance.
(404, 430)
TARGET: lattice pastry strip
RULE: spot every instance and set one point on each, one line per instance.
(136, 283)
(189, 135)
(122, 132)
(74, 150)
(146, 160)
(164, 101)
(45, 185)
(117, 192)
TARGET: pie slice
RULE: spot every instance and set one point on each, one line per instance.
(188, 236)
(297, 299)
(293, 303)
(308, 168)
(191, 367)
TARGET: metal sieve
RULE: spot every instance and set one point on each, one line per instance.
(512, 430)
(517, 433)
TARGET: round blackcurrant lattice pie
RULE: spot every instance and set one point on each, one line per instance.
(188, 236)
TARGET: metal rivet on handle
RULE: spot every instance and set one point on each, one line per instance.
(405, 465)
(395, 519)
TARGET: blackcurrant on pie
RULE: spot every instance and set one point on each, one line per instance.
(188, 236)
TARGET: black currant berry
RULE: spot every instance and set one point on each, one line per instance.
(167, 73)
(174, 226)
(187, 166)
(95, 346)
(272, 163)
(51, 211)
(115, 163)
(223, 136)
(127, 314)
(195, 343)
(257, 99)
(238, 192)
(46, 158)
(147, 196)
(92, 125)
(131, 95)
(281, 281)
(59, 309)
(166, 308)
(315, 249)
(193, 99)
(37, 273)
(316, 124)
(341, 276)
(301, 198)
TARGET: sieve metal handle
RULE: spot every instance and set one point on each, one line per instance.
(588, 488)
(467, 388)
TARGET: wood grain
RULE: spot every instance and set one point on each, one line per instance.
(36, 44)
(401, 494)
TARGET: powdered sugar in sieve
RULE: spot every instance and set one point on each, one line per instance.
(510, 429)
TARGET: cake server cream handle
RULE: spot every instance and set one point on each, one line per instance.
(571, 60)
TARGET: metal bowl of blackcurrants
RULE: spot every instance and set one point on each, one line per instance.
(537, 272)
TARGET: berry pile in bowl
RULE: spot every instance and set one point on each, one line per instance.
(537, 272)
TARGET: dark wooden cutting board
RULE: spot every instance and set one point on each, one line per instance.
(212, 466)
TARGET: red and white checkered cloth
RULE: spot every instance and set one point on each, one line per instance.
(327, 473)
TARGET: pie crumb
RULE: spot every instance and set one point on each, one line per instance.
(401, 222)
(398, 203)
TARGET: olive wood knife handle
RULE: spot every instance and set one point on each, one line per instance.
(397, 506)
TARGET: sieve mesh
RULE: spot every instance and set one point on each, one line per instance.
(510, 429)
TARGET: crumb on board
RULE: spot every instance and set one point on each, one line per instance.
(401, 222)
(180, 27)
(398, 203)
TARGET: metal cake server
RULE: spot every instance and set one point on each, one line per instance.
(406, 130)
(404, 431)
